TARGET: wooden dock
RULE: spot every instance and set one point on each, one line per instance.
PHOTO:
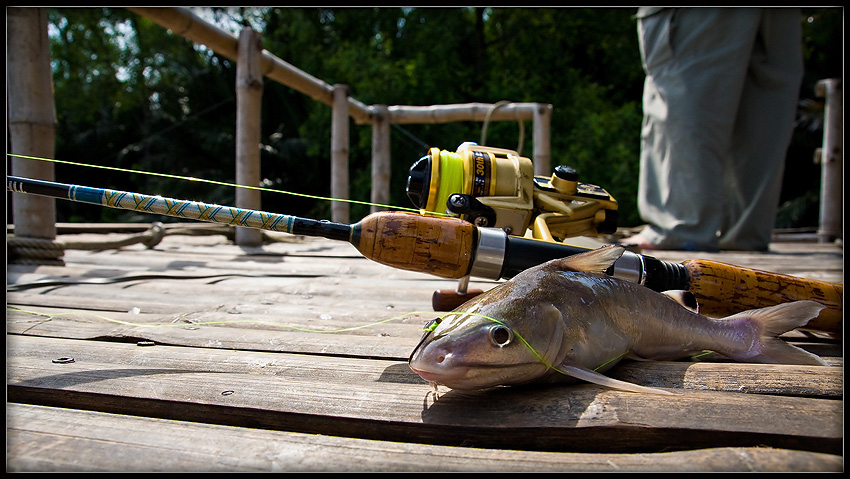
(198, 355)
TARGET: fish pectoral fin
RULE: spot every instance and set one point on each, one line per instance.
(603, 380)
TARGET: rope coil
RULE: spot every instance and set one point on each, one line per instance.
(34, 251)
(44, 251)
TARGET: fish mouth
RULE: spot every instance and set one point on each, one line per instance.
(471, 377)
(439, 377)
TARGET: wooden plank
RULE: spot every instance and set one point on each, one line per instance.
(375, 399)
(207, 287)
(275, 270)
(302, 327)
(255, 332)
(233, 335)
(780, 379)
(44, 439)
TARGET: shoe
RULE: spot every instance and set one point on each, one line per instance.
(636, 243)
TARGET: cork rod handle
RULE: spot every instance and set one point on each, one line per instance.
(434, 245)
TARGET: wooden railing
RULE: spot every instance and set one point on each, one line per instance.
(253, 63)
(184, 22)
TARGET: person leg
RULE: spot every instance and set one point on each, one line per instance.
(762, 132)
(695, 61)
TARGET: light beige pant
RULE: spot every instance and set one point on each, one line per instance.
(719, 103)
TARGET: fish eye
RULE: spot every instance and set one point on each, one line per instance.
(501, 335)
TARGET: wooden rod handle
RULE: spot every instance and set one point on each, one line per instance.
(428, 244)
(724, 289)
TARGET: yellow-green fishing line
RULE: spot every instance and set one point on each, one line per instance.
(216, 182)
(208, 323)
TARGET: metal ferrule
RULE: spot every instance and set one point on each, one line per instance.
(490, 253)
(630, 267)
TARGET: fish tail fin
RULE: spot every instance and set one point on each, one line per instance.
(773, 321)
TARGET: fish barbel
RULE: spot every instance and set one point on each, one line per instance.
(566, 320)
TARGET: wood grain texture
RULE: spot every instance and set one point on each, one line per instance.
(291, 356)
(352, 396)
(722, 289)
(79, 440)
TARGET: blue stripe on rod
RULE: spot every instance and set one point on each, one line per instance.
(85, 194)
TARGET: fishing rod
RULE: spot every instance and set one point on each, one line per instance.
(453, 248)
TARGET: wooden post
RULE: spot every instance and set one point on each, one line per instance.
(339, 154)
(249, 92)
(380, 158)
(31, 116)
(832, 159)
(542, 158)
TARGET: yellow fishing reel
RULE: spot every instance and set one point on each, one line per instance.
(495, 187)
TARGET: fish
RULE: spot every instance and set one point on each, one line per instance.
(566, 320)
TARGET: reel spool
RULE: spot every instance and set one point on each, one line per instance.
(489, 187)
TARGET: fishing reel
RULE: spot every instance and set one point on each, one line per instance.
(495, 187)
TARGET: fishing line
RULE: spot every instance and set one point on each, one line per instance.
(215, 182)
(209, 323)
(429, 327)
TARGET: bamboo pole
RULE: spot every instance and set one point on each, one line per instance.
(401, 114)
(31, 116)
(832, 160)
(539, 113)
(249, 98)
(339, 154)
(542, 158)
(380, 158)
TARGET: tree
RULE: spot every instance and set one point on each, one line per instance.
(131, 94)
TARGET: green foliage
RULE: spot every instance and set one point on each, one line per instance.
(131, 94)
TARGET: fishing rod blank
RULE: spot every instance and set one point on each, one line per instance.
(452, 248)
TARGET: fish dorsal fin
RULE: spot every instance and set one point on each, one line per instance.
(683, 297)
(603, 380)
(594, 261)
